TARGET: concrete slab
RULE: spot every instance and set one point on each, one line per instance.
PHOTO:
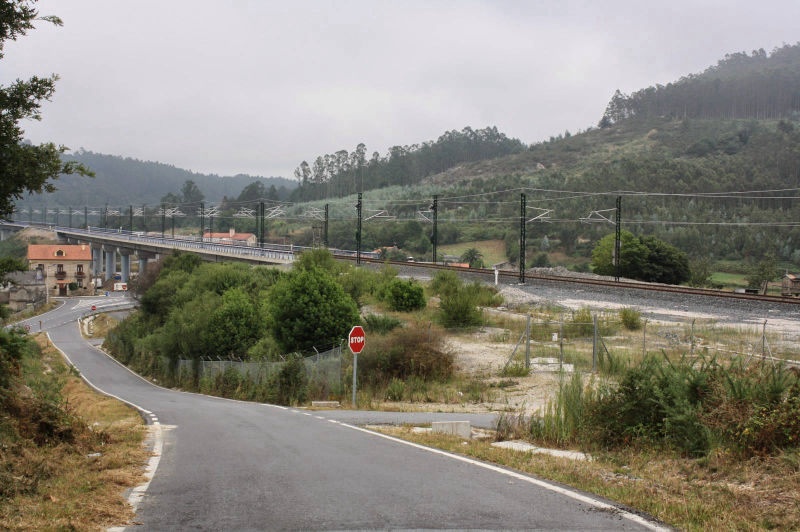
(458, 428)
(526, 447)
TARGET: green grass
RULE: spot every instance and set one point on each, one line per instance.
(494, 251)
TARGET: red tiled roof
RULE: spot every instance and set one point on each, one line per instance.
(48, 252)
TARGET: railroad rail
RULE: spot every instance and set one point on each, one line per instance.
(192, 243)
(633, 285)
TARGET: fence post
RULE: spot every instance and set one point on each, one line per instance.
(764, 339)
(692, 337)
(644, 339)
(594, 343)
(561, 346)
(528, 344)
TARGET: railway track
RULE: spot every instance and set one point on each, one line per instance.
(686, 290)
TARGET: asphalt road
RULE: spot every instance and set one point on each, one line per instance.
(229, 465)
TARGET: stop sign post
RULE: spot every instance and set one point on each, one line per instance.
(356, 340)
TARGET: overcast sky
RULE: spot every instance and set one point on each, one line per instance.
(256, 87)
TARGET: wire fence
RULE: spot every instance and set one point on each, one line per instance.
(556, 345)
(324, 369)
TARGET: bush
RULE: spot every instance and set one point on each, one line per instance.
(460, 309)
(631, 318)
(308, 308)
(405, 296)
(404, 353)
(445, 282)
(396, 390)
(292, 382)
(381, 323)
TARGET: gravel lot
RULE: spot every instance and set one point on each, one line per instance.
(662, 306)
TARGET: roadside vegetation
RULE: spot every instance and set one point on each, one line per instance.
(68, 453)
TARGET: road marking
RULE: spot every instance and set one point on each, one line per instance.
(319, 417)
(519, 476)
(138, 492)
(306, 414)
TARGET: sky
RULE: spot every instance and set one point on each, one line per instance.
(256, 87)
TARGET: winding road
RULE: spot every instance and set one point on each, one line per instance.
(229, 465)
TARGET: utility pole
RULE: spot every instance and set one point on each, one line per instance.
(202, 219)
(70, 217)
(144, 218)
(86, 217)
(325, 228)
(44, 213)
(56, 217)
(172, 219)
(105, 217)
(30, 214)
(130, 218)
(522, 238)
(262, 224)
(163, 219)
(616, 241)
(358, 231)
(434, 236)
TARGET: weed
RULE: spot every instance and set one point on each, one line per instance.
(515, 370)
(631, 318)
(381, 323)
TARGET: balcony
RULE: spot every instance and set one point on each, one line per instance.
(61, 275)
(80, 275)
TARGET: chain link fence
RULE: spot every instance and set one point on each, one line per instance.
(602, 343)
(323, 369)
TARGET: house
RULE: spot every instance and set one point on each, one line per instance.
(64, 268)
(790, 285)
(24, 291)
(231, 238)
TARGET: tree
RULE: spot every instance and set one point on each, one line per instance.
(26, 168)
(473, 257)
(235, 326)
(646, 259)
(701, 271)
(766, 270)
(309, 308)
(190, 192)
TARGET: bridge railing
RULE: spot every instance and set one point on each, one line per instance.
(285, 252)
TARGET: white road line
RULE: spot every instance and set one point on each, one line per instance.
(138, 492)
(306, 414)
(319, 417)
(535, 481)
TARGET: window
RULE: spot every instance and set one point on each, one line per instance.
(80, 268)
(60, 268)
(60, 253)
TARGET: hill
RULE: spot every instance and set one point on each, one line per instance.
(123, 181)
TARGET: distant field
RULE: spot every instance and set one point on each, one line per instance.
(729, 279)
(494, 251)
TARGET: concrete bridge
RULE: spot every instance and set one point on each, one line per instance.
(106, 244)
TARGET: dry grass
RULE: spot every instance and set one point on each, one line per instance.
(66, 488)
(720, 492)
(100, 325)
(47, 307)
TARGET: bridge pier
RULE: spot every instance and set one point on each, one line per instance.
(111, 264)
(97, 261)
(125, 265)
(142, 265)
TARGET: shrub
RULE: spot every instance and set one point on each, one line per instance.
(307, 308)
(265, 349)
(292, 382)
(405, 296)
(357, 283)
(403, 353)
(445, 282)
(460, 309)
(381, 323)
(631, 318)
(395, 390)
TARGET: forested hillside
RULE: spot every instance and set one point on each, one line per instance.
(123, 181)
(342, 173)
(757, 85)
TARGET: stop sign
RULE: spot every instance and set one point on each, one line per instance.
(94, 307)
(356, 339)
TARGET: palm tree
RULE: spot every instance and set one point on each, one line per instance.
(473, 257)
